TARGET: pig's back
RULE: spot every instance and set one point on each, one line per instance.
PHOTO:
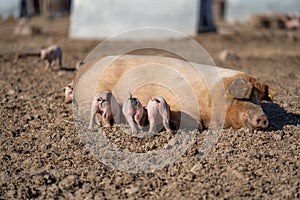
(178, 81)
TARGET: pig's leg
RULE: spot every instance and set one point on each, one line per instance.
(94, 110)
(106, 117)
(152, 115)
(60, 60)
(52, 59)
(117, 115)
(132, 124)
(52, 63)
(129, 114)
(47, 64)
(116, 111)
(138, 117)
(165, 114)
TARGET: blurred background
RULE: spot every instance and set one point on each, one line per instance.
(104, 18)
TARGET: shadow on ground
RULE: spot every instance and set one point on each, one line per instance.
(279, 117)
(69, 69)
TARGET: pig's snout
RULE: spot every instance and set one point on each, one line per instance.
(260, 121)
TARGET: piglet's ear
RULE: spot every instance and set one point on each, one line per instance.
(269, 91)
(240, 88)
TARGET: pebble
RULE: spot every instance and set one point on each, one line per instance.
(27, 117)
(61, 73)
(67, 182)
(10, 92)
(132, 190)
(196, 168)
(277, 137)
(4, 100)
(171, 143)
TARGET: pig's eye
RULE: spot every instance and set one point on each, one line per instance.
(101, 99)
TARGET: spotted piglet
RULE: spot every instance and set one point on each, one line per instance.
(51, 54)
(106, 105)
(158, 109)
(134, 113)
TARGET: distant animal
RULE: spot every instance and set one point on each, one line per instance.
(51, 54)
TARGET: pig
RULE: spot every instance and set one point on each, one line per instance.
(293, 22)
(135, 113)
(68, 91)
(105, 104)
(242, 92)
(158, 107)
(51, 54)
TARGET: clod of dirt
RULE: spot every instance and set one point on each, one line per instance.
(132, 190)
(10, 92)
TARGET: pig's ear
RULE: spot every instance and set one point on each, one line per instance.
(269, 91)
(240, 88)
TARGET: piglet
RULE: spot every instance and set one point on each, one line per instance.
(293, 22)
(51, 54)
(134, 113)
(158, 109)
(68, 90)
(106, 105)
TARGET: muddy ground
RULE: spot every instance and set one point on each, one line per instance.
(43, 156)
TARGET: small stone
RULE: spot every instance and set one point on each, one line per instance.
(10, 92)
(61, 73)
(132, 190)
(27, 117)
(171, 144)
(50, 99)
(10, 193)
(4, 100)
(99, 196)
(195, 168)
(237, 174)
(67, 182)
(277, 137)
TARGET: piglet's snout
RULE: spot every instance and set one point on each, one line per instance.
(260, 121)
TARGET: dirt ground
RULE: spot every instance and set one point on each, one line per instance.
(43, 156)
